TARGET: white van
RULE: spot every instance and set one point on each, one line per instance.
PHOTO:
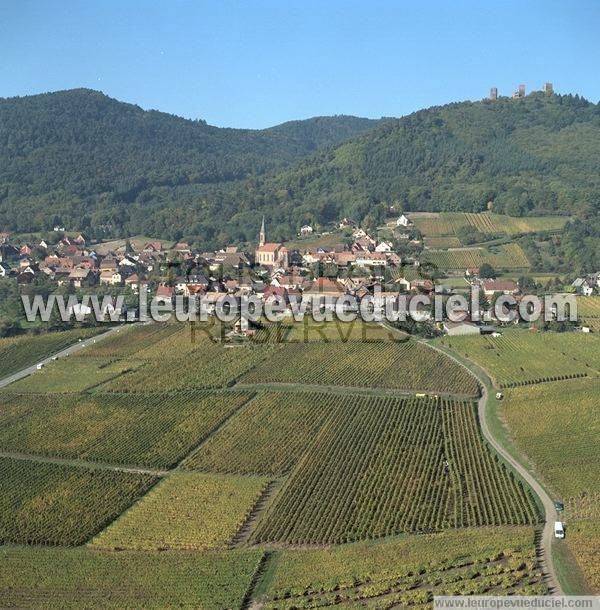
(559, 530)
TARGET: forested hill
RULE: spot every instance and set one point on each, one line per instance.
(78, 150)
(92, 163)
(525, 156)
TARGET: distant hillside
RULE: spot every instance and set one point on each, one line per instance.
(527, 156)
(79, 152)
(88, 161)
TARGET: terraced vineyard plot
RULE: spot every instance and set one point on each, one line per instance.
(129, 340)
(541, 417)
(49, 503)
(497, 559)
(155, 430)
(518, 358)
(442, 242)
(407, 365)
(17, 353)
(73, 375)
(269, 436)
(43, 578)
(386, 466)
(447, 224)
(506, 256)
(186, 511)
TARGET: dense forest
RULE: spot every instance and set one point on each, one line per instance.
(85, 161)
(79, 158)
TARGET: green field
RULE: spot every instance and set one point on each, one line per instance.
(39, 578)
(66, 505)
(270, 435)
(518, 357)
(387, 465)
(482, 560)
(185, 511)
(17, 353)
(506, 256)
(406, 365)
(156, 430)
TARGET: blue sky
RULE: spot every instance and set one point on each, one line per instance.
(256, 63)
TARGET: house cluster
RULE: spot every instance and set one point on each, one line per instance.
(587, 285)
(72, 261)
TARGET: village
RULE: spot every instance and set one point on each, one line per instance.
(345, 260)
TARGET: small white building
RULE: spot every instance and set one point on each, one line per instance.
(403, 221)
(383, 246)
(306, 230)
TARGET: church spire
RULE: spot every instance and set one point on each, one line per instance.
(261, 236)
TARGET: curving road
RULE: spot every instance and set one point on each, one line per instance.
(549, 511)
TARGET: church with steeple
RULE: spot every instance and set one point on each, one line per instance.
(274, 255)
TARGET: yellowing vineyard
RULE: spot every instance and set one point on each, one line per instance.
(50, 578)
(155, 430)
(186, 511)
(408, 366)
(518, 357)
(507, 256)
(269, 436)
(446, 224)
(561, 409)
(379, 571)
(391, 466)
(53, 504)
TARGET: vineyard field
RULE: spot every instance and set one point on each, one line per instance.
(129, 340)
(155, 430)
(447, 224)
(536, 413)
(369, 570)
(205, 365)
(73, 374)
(17, 353)
(519, 357)
(507, 256)
(185, 511)
(400, 365)
(269, 436)
(391, 466)
(50, 578)
(588, 311)
(61, 505)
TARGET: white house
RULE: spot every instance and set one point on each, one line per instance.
(403, 221)
(306, 230)
(383, 246)
(583, 287)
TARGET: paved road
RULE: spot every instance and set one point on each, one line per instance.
(66, 352)
(549, 510)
